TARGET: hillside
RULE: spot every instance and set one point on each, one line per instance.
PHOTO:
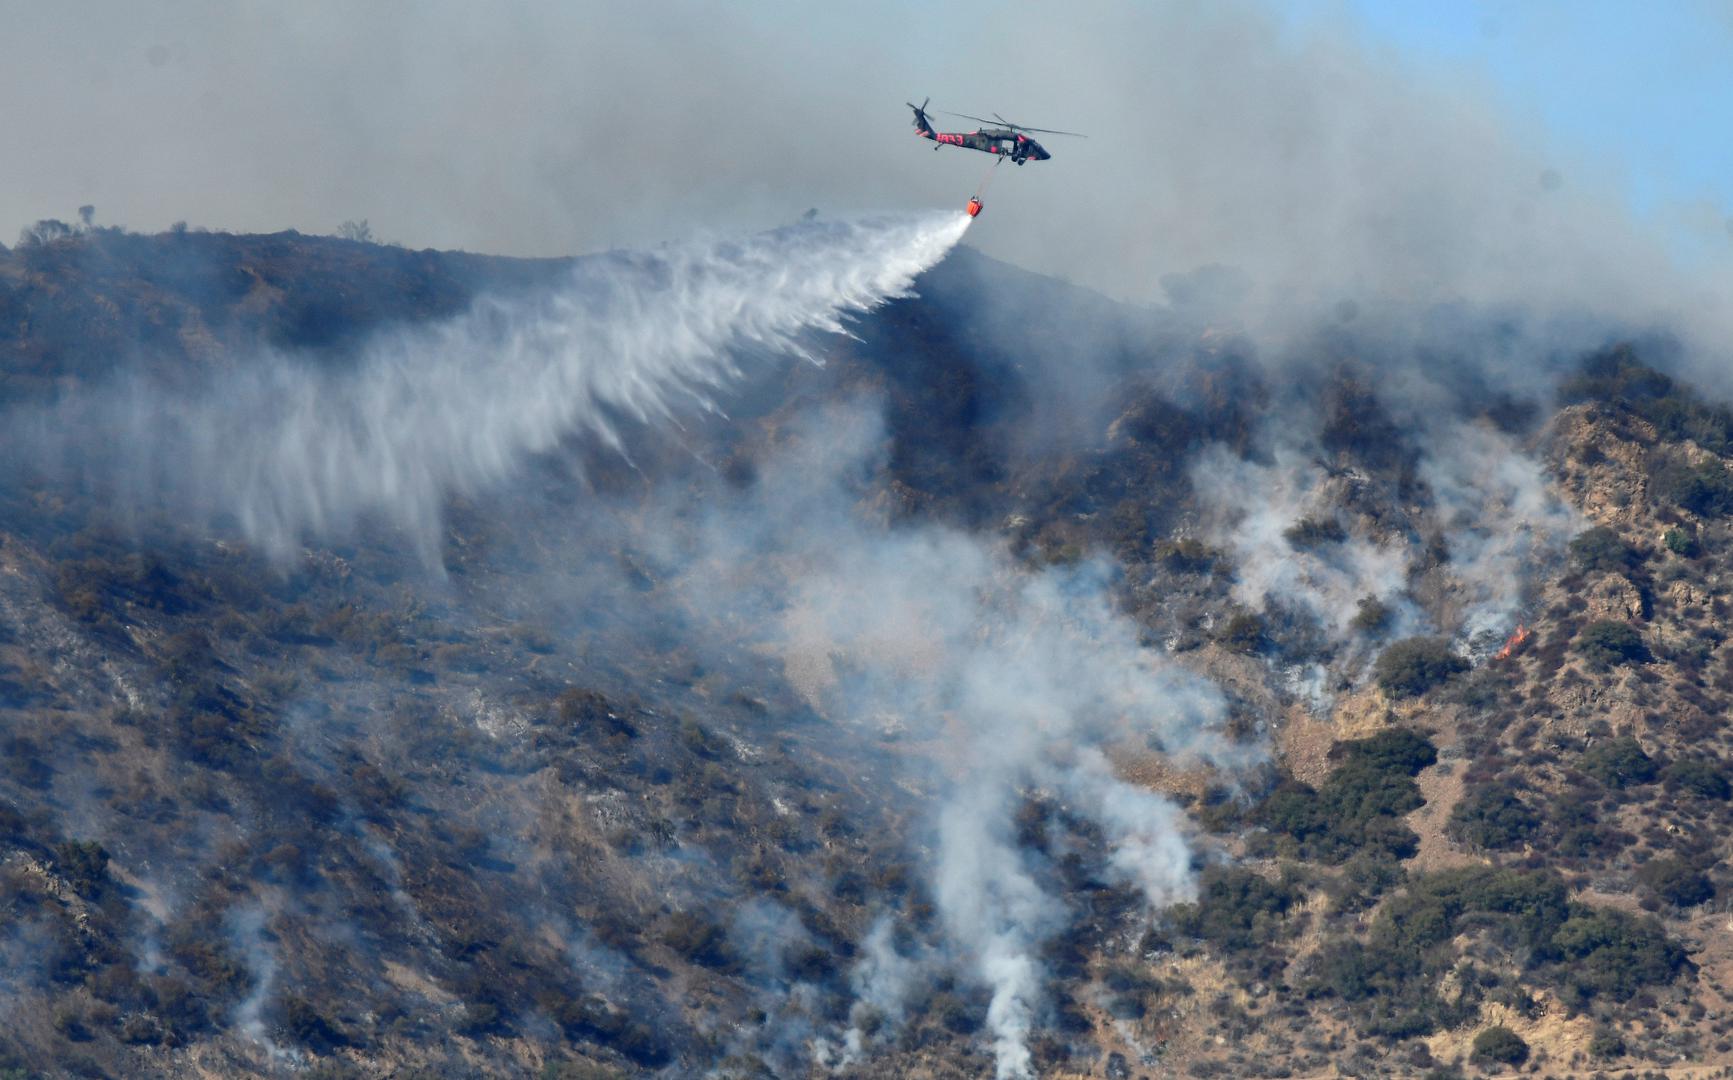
(766, 738)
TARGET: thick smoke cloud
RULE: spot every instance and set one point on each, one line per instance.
(1321, 172)
(292, 450)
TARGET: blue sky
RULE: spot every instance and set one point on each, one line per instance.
(1644, 88)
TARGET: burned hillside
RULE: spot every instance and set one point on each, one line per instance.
(1018, 681)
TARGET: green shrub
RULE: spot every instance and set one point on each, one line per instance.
(1500, 1046)
(1606, 1043)
(1391, 979)
(1701, 777)
(1395, 750)
(1617, 378)
(1415, 665)
(1359, 807)
(1607, 953)
(1619, 763)
(1675, 881)
(1236, 909)
(1610, 642)
(480, 1018)
(1493, 818)
(1705, 489)
(1601, 550)
(1365, 877)
(1682, 542)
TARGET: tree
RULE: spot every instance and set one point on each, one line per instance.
(1308, 533)
(358, 231)
(1610, 642)
(1706, 489)
(1499, 1045)
(84, 865)
(1601, 550)
(1619, 763)
(1372, 616)
(45, 231)
(1243, 633)
(1493, 818)
(1415, 665)
(1682, 542)
(1700, 777)
(1676, 881)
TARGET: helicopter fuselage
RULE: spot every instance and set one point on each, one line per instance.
(1005, 143)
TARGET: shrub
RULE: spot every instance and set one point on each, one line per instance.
(1610, 642)
(1601, 550)
(1392, 978)
(1396, 750)
(1617, 378)
(1358, 808)
(1365, 878)
(1705, 489)
(1675, 881)
(309, 1027)
(1619, 763)
(1308, 533)
(1415, 665)
(1372, 617)
(84, 865)
(699, 940)
(479, 1018)
(1606, 1043)
(1186, 556)
(1701, 777)
(1493, 818)
(1243, 633)
(1236, 909)
(1608, 953)
(1500, 1046)
(1681, 542)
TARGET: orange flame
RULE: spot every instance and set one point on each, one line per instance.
(1516, 642)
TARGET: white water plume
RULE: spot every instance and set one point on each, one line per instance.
(293, 451)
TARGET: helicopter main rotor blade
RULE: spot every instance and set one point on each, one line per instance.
(966, 116)
(997, 119)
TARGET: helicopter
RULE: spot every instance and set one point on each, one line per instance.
(1005, 141)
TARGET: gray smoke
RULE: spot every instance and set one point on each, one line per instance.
(1321, 171)
(930, 638)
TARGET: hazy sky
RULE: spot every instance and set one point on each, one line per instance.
(1326, 149)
